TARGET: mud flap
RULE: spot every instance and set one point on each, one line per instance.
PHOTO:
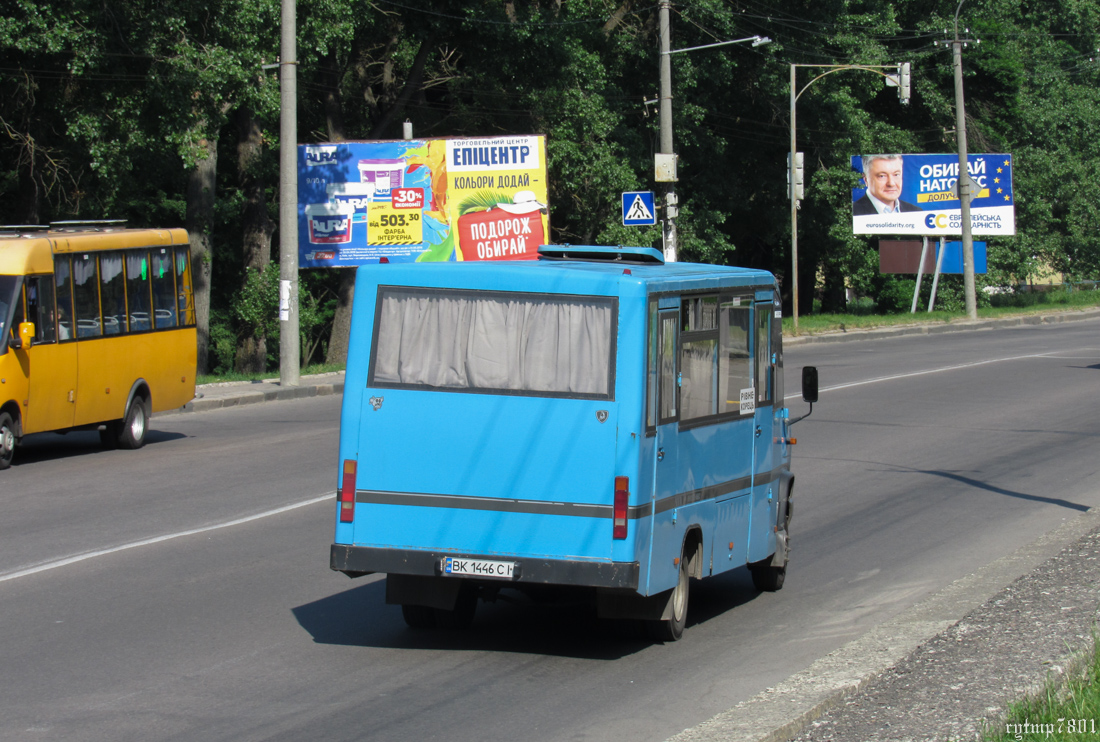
(433, 592)
(783, 520)
(631, 605)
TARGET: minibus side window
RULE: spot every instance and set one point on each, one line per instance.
(86, 296)
(138, 291)
(651, 368)
(699, 357)
(763, 355)
(666, 358)
(113, 292)
(64, 288)
(777, 350)
(735, 359)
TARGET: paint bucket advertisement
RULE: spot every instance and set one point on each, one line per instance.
(329, 223)
(480, 198)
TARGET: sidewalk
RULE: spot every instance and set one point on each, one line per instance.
(237, 393)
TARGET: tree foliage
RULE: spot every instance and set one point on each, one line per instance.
(110, 111)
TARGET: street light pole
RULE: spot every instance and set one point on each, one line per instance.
(289, 339)
(794, 206)
(792, 166)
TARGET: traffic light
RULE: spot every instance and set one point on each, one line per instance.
(798, 191)
(903, 82)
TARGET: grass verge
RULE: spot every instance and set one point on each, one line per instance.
(319, 368)
(1068, 708)
(1021, 305)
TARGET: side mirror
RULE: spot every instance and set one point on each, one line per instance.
(26, 333)
(809, 384)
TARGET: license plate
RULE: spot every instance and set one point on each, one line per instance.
(478, 568)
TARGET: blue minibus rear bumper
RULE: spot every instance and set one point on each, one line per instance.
(355, 561)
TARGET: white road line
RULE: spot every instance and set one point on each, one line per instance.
(64, 562)
(931, 371)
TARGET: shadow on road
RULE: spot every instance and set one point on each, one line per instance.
(40, 447)
(360, 617)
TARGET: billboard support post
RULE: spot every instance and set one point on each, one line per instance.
(920, 274)
(936, 277)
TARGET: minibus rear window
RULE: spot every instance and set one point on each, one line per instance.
(559, 345)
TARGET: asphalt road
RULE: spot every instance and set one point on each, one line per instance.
(182, 592)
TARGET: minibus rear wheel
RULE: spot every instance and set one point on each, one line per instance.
(672, 629)
(7, 440)
(132, 434)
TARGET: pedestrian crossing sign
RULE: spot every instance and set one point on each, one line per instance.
(638, 209)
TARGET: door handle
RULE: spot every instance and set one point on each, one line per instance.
(660, 454)
(758, 431)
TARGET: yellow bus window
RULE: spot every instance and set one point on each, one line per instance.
(112, 293)
(183, 286)
(164, 289)
(61, 276)
(138, 291)
(86, 297)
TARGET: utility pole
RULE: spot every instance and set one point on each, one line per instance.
(665, 161)
(289, 338)
(665, 117)
(964, 182)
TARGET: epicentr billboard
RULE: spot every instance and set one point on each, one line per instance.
(480, 198)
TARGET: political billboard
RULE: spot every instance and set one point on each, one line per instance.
(918, 195)
(439, 199)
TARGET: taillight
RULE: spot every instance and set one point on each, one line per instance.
(347, 492)
(622, 501)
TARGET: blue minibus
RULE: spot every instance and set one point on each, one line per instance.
(595, 419)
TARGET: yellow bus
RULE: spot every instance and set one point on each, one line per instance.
(98, 328)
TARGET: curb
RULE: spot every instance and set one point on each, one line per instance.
(779, 713)
(199, 404)
(240, 393)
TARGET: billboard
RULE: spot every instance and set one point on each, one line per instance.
(917, 195)
(480, 198)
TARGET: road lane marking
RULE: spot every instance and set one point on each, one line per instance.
(927, 372)
(65, 561)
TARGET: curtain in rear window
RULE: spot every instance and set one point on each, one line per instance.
(537, 344)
